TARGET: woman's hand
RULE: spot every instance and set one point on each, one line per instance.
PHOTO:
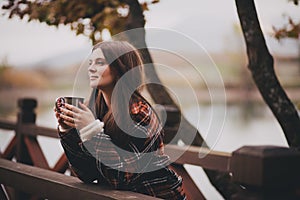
(60, 121)
(77, 117)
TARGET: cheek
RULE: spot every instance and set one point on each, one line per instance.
(105, 73)
(109, 74)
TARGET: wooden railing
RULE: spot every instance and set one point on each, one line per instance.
(260, 169)
(52, 185)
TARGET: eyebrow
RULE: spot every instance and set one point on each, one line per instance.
(97, 59)
(102, 59)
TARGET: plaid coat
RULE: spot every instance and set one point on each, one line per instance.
(142, 167)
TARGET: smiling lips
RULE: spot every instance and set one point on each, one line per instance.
(93, 77)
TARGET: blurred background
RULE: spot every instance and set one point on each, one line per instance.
(40, 61)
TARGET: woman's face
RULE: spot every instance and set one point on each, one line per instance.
(100, 74)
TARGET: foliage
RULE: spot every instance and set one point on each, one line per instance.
(92, 18)
(295, 1)
(290, 30)
(3, 66)
(15, 78)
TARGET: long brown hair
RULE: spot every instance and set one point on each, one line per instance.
(121, 57)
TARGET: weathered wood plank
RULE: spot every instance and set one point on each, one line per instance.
(7, 125)
(198, 156)
(10, 150)
(34, 130)
(52, 185)
(62, 164)
(191, 190)
(37, 156)
(267, 166)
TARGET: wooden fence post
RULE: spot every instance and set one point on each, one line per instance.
(266, 172)
(27, 115)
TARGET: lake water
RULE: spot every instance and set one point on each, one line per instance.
(255, 126)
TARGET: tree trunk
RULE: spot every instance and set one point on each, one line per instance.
(157, 91)
(261, 67)
(221, 181)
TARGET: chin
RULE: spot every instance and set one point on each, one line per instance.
(93, 86)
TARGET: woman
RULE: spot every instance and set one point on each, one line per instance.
(116, 138)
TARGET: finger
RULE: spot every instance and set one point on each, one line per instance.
(67, 112)
(62, 123)
(57, 115)
(69, 124)
(84, 107)
(60, 120)
(55, 110)
(73, 108)
(67, 118)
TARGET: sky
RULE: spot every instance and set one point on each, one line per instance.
(25, 44)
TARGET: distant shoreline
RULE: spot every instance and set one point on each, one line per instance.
(46, 97)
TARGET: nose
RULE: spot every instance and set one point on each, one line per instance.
(92, 68)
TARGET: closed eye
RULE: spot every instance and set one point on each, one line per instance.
(100, 61)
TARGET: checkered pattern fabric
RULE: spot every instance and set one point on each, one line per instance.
(143, 168)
